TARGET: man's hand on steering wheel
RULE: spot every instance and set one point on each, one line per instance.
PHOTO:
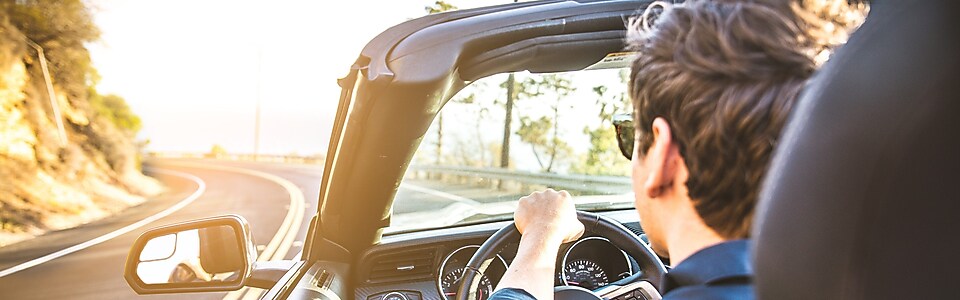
(550, 214)
(547, 219)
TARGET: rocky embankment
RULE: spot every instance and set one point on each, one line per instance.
(45, 184)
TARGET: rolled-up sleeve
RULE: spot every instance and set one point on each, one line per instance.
(511, 294)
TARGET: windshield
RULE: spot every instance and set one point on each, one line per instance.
(486, 149)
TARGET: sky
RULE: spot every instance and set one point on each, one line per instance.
(193, 70)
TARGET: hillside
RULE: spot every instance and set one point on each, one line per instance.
(46, 184)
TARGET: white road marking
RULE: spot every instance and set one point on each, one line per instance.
(440, 194)
(281, 243)
(201, 188)
(460, 209)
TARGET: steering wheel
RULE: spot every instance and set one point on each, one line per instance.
(642, 285)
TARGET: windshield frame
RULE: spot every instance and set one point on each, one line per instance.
(368, 160)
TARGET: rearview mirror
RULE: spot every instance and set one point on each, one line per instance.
(207, 255)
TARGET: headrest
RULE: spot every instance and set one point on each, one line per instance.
(862, 200)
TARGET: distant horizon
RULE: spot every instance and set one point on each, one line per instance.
(190, 69)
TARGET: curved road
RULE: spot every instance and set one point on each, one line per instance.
(263, 193)
(230, 188)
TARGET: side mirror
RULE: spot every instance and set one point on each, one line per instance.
(206, 255)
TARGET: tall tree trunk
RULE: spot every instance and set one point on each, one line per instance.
(508, 119)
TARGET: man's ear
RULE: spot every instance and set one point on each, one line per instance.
(661, 171)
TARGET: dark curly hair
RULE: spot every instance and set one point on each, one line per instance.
(725, 75)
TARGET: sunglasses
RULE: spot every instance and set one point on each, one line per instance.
(623, 123)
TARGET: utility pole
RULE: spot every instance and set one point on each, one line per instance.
(256, 129)
(50, 92)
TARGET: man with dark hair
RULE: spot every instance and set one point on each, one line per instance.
(712, 87)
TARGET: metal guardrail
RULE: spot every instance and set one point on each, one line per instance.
(587, 184)
(243, 157)
(591, 184)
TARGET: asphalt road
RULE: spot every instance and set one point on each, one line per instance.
(96, 272)
(263, 193)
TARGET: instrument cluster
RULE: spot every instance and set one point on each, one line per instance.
(591, 263)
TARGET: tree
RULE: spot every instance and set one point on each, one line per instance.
(534, 132)
(468, 148)
(115, 109)
(61, 28)
(545, 131)
(481, 112)
(217, 151)
(439, 7)
(515, 89)
(510, 86)
(603, 155)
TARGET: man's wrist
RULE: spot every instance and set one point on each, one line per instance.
(544, 235)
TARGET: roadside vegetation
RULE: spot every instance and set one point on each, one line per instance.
(68, 154)
(537, 139)
(541, 122)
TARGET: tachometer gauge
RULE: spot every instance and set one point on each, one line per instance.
(450, 283)
(450, 274)
(585, 274)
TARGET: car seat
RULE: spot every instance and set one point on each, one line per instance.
(862, 200)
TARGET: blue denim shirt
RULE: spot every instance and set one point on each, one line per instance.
(720, 271)
(511, 294)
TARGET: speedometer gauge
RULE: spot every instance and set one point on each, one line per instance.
(585, 274)
(450, 274)
(593, 262)
(451, 283)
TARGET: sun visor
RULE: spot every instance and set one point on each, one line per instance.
(547, 54)
(615, 60)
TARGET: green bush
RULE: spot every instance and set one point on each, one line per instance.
(115, 109)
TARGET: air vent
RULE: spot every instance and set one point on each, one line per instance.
(403, 266)
(635, 227)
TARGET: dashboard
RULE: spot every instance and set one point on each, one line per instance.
(427, 265)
